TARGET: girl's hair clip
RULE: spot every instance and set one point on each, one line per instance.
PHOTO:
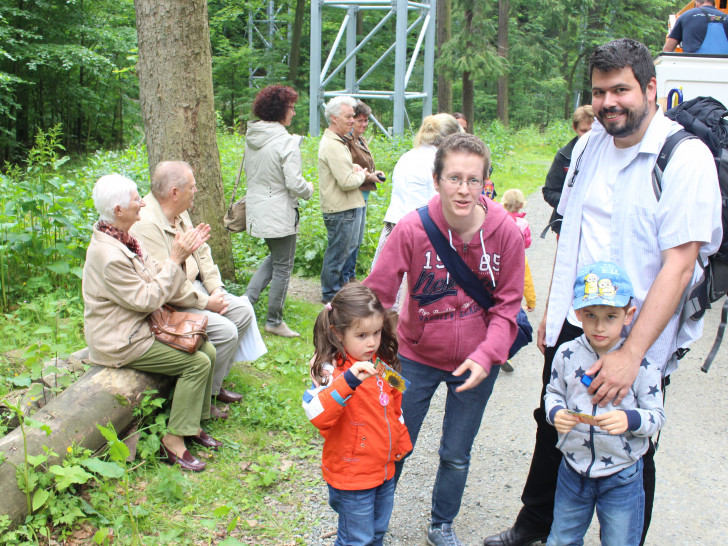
(328, 305)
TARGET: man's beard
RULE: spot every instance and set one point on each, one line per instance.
(633, 120)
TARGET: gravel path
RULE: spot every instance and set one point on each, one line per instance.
(690, 505)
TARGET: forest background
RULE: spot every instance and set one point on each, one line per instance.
(70, 112)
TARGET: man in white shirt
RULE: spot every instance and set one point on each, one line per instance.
(611, 213)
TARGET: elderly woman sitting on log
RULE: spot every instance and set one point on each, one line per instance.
(122, 285)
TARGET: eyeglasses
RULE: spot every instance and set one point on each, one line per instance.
(473, 183)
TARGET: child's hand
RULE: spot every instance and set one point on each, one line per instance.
(614, 422)
(363, 370)
(529, 309)
(564, 421)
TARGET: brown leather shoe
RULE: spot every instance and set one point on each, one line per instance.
(205, 440)
(217, 413)
(229, 397)
(186, 462)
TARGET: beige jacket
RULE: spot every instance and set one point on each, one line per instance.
(273, 171)
(338, 185)
(120, 289)
(157, 236)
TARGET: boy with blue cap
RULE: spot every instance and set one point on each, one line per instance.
(602, 447)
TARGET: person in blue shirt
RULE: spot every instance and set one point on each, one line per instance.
(703, 29)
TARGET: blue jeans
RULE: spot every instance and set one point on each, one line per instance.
(363, 514)
(619, 500)
(358, 237)
(463, 414)
(340, 230)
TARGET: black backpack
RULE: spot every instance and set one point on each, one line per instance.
(703, 118)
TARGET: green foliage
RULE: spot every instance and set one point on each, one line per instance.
(265, 471)
(43, 230)
(151, 423)
(75, 71)
(50, 489)
(471, 49)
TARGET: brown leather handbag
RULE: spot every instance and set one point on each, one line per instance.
(183, 331)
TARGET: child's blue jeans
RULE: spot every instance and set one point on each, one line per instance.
(619, 500)
(363, 514)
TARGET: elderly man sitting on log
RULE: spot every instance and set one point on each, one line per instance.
(122, 285)
(165, 215)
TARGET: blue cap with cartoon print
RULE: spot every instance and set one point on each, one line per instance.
(602, 283)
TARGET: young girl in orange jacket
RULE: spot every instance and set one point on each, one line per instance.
(358, 412)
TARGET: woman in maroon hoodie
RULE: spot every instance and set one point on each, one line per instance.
(444, 335)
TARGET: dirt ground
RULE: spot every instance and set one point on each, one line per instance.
(690, 505)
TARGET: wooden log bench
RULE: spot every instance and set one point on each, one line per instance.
(100, 396)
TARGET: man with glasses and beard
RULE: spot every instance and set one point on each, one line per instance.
(611, 213)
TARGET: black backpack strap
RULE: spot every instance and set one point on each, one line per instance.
(577, 165)
(718, 339)
(668, 148)
(549, 226)
(454, 263)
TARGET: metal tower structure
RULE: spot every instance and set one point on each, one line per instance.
(263, 28)
(396, 10)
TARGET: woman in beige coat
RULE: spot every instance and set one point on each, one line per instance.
(122, 285)
(275, 183)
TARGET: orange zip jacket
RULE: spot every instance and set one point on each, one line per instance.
(362, 438)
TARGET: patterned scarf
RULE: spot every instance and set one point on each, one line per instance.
(122, 236)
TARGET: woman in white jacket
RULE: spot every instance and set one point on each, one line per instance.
(275, 182)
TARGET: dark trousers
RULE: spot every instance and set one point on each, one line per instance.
(537, 513)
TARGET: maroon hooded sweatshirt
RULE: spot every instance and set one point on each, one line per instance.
(440, 325)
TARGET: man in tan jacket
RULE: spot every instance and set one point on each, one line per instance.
(339, 181)
(173, 192)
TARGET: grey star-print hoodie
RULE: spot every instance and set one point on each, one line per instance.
(589, 450)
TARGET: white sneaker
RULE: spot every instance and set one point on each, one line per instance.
(281, 330)
(442, 536)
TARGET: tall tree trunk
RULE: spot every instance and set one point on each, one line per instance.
(294, 56)
(468, 100)
(175, 90)
(444, 33)
(503, 52)
(468, 84)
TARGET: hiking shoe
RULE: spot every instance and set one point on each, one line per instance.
(507, 366)
(442, 535)
(281, 330)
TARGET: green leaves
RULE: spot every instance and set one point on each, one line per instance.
(40, 498)
(103, 468)
(66, 476)
(117, 449)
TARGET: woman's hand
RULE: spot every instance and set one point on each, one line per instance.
(477, 374)
(189, 241)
